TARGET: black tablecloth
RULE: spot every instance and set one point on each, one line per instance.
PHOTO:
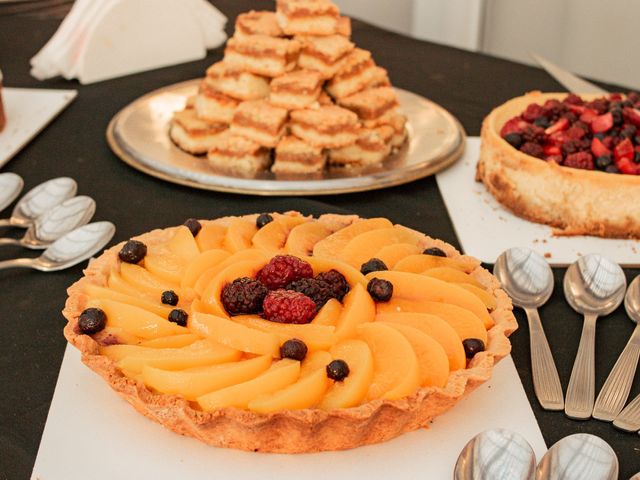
(32, 345)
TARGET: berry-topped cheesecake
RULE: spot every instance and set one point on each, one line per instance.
(286, 333)
(569, 161)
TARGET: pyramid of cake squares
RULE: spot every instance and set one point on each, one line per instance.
(293, 94)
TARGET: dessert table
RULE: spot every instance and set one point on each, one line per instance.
(467, 84)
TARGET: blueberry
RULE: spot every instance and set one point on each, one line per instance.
(169, 297)
(637, 140)
(372, 265)
(92, 320)
(380, 290)
(599, 135)
(603, 161)
(514, 139)
(542, 122)
(612, 169)
(133, 251)
(295, 349)
(617, 116)
(338, 370)
(472, 346)
(636, 157)
(178, 316)
(263, 219)
(193, 225)
(434, 252)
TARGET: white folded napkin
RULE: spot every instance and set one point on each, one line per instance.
(99, 40)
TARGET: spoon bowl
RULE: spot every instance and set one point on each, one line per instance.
(632, 300)
(10, 187)
(578, 457)
(40, 199)
(495, 454)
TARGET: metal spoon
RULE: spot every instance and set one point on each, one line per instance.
(69, 250)
(495, 454)
(10, 187)
(593, 286)
(616, 388)
(528, 280)
(578, 457)
(54, 223)
(40, 199)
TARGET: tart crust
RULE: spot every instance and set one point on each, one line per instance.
(574, 201)
(295, 431)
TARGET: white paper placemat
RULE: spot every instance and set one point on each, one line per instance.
(93, 434)
(28, 110)
(485, 228)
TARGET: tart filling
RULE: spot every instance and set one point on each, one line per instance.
(284, 333)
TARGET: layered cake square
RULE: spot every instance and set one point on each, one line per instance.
(297, 156)
(214, 106)
(371, 147)
(193, 134)
(371, 104)
(311, 17)
(258, 23)
(356, 72)
(326, 126)
(262, 55)
(296, 90)
(323, 53)
(235, 82)
(259, 121)
(234, 152)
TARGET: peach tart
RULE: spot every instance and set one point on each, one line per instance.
(288, 333)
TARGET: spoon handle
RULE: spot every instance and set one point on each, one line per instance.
(546, 381)
(17, 263)
(9, 241)
(629, 418)
(616, 389)
(5, 222)
(581, 390)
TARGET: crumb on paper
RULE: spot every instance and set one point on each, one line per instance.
(536, 240)
(544, 240)
(547, 255)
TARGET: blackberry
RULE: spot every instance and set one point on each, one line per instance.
(514, 139)
(616, 113)
(282, 270)
(295, 349)
(612, 169)
(336, 280)
(581, 160)
(572, 117)
(628, 131)
(92, 320)
(533, 134)
(169, 297)
(193, 225)
(542, 122)
(338, 370)
(380, 290)
(133, 251)
(373, 265)
(263, 219)
(533, 149)
(472, 346)
(243, 296)
(178, 316)
(434, 251)
(603, 161)
(636, 157)
(317, 290)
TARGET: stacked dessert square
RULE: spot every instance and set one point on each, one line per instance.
(293, 94)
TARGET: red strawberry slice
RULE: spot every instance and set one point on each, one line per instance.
(560, 125)
(632, 115)
(558, 138)
(602, 123)
(515, 125)
(598, 148)
(552, 150)
(579, 109)
(628, 166)
(624, 150)
(588, 116)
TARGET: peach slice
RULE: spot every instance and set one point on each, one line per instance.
(420, 263)
(305, 393)
(314, 361)
(235, 335)
(145, 281)
(211, 294)
(183, 244)
(414, 286)
(200, 264)
(396, 370)
(302, 238)
(211, 236)
(465, 323)
(118, 284)
(451, 275)
(122, 336)
(436, 328)
(241, 256)
(353, 389)
(96, 292)
(358, 308)
(278, 376)
(332, 245)
(328, 314)
(199, 306)
(135, 320)
(484, 296)
(133, 358)
(392, 254)
(173, 341)
(352, 275)
(432, 359)
(317, 337)
(194, 382)
(239, 235)
(164, 264)
(364, 246)
(273, 236)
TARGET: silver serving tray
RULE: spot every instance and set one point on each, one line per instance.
(138, 134)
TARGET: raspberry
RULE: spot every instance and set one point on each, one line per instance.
(317, 290)
(287, 306)
(282, 270)
(336, 280)
(553, 109)
(533, 133)
(532, 112)
(242, 296)
(573, 99)
(600, 105)
(532, 149)
(582, 160)
(576, 131)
